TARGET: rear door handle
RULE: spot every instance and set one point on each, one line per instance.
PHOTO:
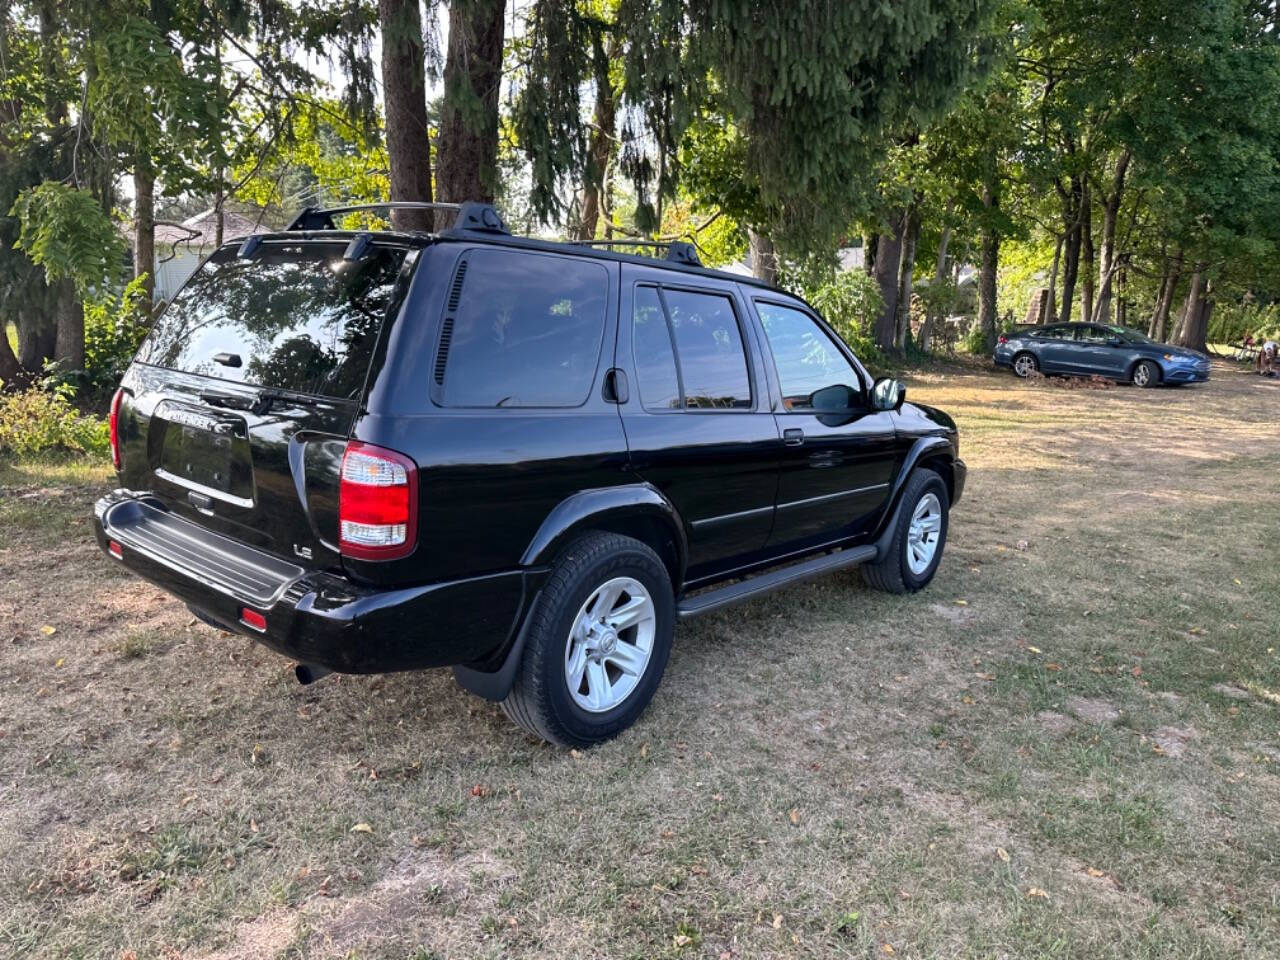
(793, 436)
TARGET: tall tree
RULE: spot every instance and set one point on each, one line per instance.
(404, 92)
(467, 167)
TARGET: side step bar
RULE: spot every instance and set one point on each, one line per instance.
(727, 596)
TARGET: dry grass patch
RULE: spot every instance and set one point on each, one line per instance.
(1080, 759)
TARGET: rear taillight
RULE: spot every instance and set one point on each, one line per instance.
(377, 503)
(1002, 339)
(113, 425)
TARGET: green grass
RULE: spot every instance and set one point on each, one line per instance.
(822, 773)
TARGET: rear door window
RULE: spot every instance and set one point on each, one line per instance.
(658, 381)
(292, 317)
(521, 330)
(713, 365)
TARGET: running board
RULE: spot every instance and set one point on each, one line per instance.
(727, 596)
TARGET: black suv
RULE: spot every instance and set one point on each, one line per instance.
(379, 451)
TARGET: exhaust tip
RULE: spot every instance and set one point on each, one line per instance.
(310, 672)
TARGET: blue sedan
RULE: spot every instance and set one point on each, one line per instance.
(1091, 349)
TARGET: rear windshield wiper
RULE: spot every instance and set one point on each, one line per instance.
(267, 398)
(227, 400)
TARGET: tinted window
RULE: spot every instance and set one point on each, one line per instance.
(655, 361)
(713, 367)
(1091, 334)
(297, 316)
(1055, 333)
(526, 331)
(804, 355)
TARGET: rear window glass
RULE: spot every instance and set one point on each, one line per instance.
(295, 317)
(524, 331)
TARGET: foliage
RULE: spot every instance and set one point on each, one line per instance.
(114, 327)
(1232, 320)
(37, 421)
(66, 231)
(975, 341)
(850, 301)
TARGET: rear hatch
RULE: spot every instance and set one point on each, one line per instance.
(238, 408)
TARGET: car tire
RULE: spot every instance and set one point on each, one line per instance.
(1025, 364)
(582, 681)
(1145, 374)
(904, 567)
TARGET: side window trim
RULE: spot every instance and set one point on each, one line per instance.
(671, 335)
(841, 347)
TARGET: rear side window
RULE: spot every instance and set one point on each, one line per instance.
(292, 317)
(521, 330)
(658, 382)
(713, 366)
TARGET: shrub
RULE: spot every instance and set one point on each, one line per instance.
(850, 301)
(975, 341)
(114, 328)
(39, 421)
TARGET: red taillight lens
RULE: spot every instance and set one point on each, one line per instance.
(1003, 339)
(113, 425)
(377, 503)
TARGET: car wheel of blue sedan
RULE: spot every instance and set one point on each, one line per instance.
(1025, 364)
(1146, 374)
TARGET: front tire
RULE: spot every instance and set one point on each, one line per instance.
(598, 642)
(1025, 365)
(920, 535)
(1146, 374)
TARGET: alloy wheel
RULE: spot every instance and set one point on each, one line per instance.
(923, 533)
(610, 644)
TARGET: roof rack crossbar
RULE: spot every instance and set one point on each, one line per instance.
(321, 218)
(677, 250)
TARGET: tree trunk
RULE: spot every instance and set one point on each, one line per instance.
(404, 92)
(885, 270)
(939, 278)
(1107, 263)
(1086, 253)
(764, 258)
(1168, 287)
(1071, 252)
(1122, 295)
(1187, 319)
(38, 326)
(600, 150)
(906, 270)
(987, 276)
(69, 343)
(1049, 306)
(144, 226)
(869, 243)
(467, 159)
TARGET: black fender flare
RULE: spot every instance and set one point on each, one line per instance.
(601, 507)
(922, 449)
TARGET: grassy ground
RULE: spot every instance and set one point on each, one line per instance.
(1068, 746)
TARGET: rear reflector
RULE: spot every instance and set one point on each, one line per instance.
(377, 503)
(254, 619)
(113, 427)
(115, 550)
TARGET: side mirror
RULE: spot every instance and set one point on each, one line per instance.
(888, 394)
(836, 397)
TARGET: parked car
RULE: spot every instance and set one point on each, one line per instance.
(378, 451)
(1091, 349)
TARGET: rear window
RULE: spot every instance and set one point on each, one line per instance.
(521, 330)
(295, 317)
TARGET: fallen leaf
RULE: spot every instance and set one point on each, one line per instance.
(967, 699)
(644, 750)
(777, 921)
(1136, 671)
(1003, 854)
(962, 603)
(1095, 872)
(48, 631)
(887, 948)
(682, 940)
(698, 870)
(1037, 892)
(60, 662)
(253, 825)
(1053, 667)
(576, 754)
(479, 790)
(1033, 649)
(985, 676)
(794, 816)
(362, 828)
(1238, 583)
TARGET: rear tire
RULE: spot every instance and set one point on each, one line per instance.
(1145, 374)
(1025, 364)
(584, 676)
(920, 535)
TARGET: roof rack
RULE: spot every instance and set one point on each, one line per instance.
(470, 215)
(677, 250)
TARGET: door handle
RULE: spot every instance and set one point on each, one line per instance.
(793, 436)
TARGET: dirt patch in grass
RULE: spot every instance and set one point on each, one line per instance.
(1082, 759)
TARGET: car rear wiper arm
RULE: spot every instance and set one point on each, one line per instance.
(267, 398)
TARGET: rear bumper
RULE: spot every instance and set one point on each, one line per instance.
(313, 616)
